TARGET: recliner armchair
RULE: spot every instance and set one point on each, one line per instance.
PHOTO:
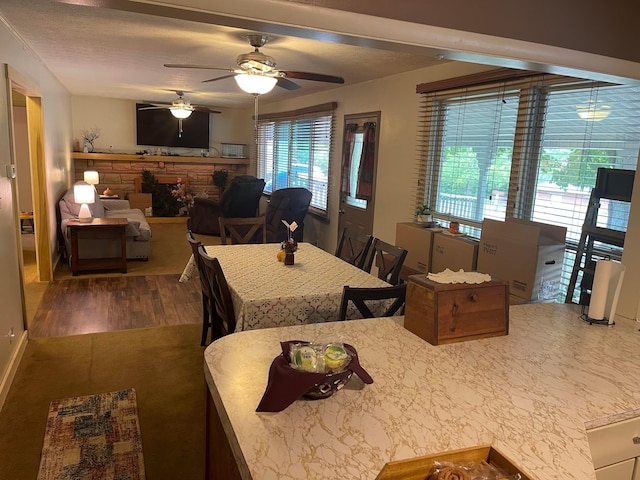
(240, 199)
(291, 205)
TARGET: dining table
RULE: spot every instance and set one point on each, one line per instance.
(267, 293)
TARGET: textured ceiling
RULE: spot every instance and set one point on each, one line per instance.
(117, 54)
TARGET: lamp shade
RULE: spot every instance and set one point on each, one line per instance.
(91, 177)
(255, 84)
(84, 194)
(181, 112)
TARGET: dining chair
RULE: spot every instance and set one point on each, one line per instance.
(243, 230)
(204, 286)
(389, 260)
(358, 296)
(223, 317)
(354, 247)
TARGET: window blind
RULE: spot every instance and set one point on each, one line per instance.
(294, 150)
(526, 147)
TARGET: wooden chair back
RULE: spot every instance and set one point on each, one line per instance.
(223, 317)
(243, 230)
(389, 260)
(204, 287)
(358, 296)
(354, 247)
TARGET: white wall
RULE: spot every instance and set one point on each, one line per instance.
(116, 120)
(56, 118)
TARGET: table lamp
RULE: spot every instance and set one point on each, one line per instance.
(84, 194)
(91, 177)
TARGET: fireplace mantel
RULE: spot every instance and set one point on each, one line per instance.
(125, 157)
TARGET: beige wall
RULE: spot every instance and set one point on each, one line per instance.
(116, 120)
(398, 103)
(56, 118)
(395, 97)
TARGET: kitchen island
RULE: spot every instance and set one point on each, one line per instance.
(530, 394)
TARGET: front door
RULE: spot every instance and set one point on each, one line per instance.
(360, 152)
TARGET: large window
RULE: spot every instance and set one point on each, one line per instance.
(294, 149)
(526, 148)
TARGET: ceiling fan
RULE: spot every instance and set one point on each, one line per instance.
(179, 108)
(256, 72)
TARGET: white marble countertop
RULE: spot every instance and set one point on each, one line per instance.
(529, 394)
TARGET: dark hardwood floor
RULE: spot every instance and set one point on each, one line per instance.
(103, 304)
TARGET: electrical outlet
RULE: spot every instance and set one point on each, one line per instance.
(11, 335)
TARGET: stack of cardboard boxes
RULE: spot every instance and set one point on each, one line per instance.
(528, 255)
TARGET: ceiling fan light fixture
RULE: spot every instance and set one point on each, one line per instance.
(255, 84)
(181, 112)
(593, 111)
(256, 62)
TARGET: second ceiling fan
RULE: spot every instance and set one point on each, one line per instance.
(256, 72)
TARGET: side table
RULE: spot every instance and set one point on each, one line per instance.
(78, 229)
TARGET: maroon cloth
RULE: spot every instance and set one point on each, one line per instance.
(286, 384)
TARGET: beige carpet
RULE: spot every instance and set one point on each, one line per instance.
(165, 367)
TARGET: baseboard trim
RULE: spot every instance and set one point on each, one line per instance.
(14, 362)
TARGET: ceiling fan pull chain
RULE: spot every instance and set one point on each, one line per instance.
(179, 128)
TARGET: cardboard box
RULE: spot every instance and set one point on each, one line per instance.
(416, 240)
(526, 254)
(419, 468)
(454, 312)
(454, 253)
(140, 201)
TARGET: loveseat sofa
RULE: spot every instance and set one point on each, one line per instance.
(138, 231)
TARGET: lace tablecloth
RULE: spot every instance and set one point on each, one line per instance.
(266, 293)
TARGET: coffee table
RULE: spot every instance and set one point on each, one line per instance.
(78, 229)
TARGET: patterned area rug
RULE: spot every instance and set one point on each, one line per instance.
(93, 437)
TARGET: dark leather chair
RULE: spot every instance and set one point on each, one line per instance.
(240, 199)
(291, 205)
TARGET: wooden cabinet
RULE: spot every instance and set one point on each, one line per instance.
(615, 450)
(445, 313)
(617, 471)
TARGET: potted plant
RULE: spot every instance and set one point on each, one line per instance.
(220, 179)
(423, 214)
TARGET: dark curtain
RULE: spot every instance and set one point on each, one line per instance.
(347, 152)
(367, 163)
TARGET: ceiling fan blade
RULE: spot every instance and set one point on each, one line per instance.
(219, 78)
(287, 84)
(201, 108)
(153, 108)
(316, 77)
(201, 67)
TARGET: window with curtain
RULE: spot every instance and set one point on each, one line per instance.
(293, 150)
(525, 147)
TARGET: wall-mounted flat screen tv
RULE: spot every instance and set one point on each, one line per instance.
(159, 128)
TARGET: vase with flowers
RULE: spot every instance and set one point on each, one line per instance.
(289, 247)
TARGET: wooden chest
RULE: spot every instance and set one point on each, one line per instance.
(446, 313)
